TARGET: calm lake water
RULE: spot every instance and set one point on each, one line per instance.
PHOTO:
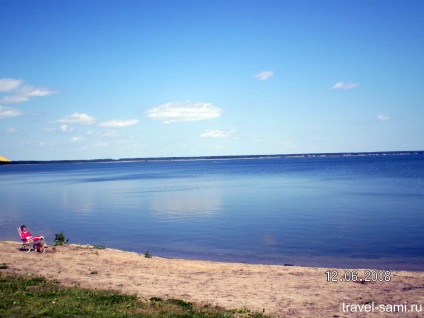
(328, 211)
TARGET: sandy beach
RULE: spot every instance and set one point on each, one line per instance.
(279, 291)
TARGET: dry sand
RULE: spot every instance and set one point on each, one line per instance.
(280, 291)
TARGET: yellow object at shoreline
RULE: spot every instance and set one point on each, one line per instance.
(3, 159)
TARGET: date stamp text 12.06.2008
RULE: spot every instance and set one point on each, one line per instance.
(335, 276)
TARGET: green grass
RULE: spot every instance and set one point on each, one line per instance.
(35, 296)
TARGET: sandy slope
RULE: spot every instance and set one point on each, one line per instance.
(278, 290)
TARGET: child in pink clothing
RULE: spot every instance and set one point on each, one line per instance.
(26, 236)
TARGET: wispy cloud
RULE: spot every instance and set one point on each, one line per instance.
(17, 91)
(345, 85)
(264, 75)
(14, 99)
(76, 139)
(65, 128)
(77, 118)
(9, 84)
(119, 123)
(11, 131)
(183, 111)
(110, 133)
(6, 112)
(217, 133)
(36, 92)
(383, 117)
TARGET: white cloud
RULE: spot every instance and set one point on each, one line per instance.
(6, 112)
(217, 133)
(76, 139)
(183, 111)
(20, 92)
(40, 92)
(383, 117)
(119, 123)
(264, 75)
(110, 133)
(14, 99)
(77, 118)
(9, 84)
(65, 128)
(343, 85)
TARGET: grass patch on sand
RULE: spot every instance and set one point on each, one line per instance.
(35, 296)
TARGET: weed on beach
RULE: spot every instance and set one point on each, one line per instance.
(99, 247)
(60, 239)
(35, 296)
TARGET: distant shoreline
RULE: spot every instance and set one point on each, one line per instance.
(231, 157)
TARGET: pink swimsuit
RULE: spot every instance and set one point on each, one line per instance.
(25, 236)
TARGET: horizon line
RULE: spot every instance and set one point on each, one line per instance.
(222, 157)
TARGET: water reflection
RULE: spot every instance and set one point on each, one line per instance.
(269, 240)
(78, 199)
(186, 204)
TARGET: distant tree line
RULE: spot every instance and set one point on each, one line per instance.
(310, 155)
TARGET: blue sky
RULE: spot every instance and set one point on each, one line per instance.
(116, 79)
